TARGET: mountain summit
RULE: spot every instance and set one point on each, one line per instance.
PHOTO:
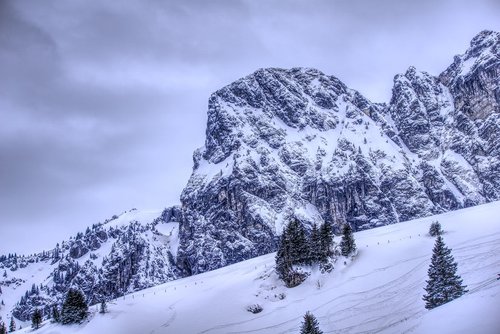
(298, 143)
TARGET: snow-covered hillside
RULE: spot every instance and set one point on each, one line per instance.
(379, 292)
(128, 252)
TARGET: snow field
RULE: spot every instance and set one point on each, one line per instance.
(380, 291)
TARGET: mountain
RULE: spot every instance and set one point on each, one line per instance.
(282, 144)
(126, 253)
(299, 143)
(379, 292)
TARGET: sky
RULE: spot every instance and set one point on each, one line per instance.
(102, 103)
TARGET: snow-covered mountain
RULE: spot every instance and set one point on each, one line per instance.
(299, 143)
(379, 292)
(127, 253)
(290, 143)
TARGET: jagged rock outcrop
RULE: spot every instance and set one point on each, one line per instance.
(299, 143)
(124, 254)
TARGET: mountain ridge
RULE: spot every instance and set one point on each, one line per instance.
(296, 143)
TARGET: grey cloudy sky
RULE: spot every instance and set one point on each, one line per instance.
(103, 102)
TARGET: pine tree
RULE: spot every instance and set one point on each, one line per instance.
(293, 250)
(75, 307)
(310, 325)
(56, 316)
(347, 244)
(299, 246)
(443, 284)
(326, 236)
(12, 326)
(3, 329)
(294, 246)
(315, 245)
(36, 319)
(435, 229)
(104, 307)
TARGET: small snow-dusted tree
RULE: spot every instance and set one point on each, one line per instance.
(75, 307)
(104, 307)
(435, 229)
(347, 244)
(36, 319)
(12, 326)
(3, 329)
(443, 284)
(310, 325)
(56, 316)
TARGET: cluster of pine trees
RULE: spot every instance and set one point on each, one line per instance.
(74, 310)
(298, 248)
(12, 327)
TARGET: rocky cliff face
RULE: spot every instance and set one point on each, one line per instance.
(299, 143)
(283, 144)
(126, 253)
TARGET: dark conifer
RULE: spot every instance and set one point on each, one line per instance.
(347, 244)
(444, 284)
(435, 229)
(326, 236)
(36, 319)
(299, 246)
(3, 329)
(315, 245)
(310, 325)
(12, 326)
(75, 308)
(293, 250)
(56, 316)
(104, 307)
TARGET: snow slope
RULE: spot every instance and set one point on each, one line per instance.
(379, 292)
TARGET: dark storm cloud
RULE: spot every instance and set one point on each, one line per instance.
(103, 102)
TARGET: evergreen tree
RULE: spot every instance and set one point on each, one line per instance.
(326, 237)
(293, 250)
(299, 246)
(104, 307)
(56, 316)
(293, 247)
(3, 329)
(75, 307)
(36, 319)
(435, 229)
(316, 245)
(12, 326)
(310, 325)
(443, 284)
(347, 244)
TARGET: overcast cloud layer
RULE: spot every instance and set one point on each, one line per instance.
(103, 102)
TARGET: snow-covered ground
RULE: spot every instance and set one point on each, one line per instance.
(379, 292)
